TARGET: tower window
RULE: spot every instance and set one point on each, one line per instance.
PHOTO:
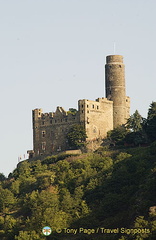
(82, 105)
(93, 106)
(87, 120)
(120, 66)
(82, 111)
(43, 145)
(97, 107)
(43, 133)
(87, 106)
(43, 123)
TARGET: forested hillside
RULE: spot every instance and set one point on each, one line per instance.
(109, 189)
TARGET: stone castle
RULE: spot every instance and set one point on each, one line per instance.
(97, 117)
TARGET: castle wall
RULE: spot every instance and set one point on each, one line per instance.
(97, 117)
(50, 129)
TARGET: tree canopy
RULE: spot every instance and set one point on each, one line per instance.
(134, 123)
(150, 124)
(76, 136)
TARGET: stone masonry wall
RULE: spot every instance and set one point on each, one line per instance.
(97, 116)
(50, 129)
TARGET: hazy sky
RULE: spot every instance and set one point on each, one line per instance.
(52, 53)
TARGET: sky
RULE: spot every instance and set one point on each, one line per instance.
(53, 53)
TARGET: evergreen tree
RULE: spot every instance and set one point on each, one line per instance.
(150, 126)
(151, 111)
(134, 122)
(2, 177)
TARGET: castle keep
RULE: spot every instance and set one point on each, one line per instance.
(97, 117)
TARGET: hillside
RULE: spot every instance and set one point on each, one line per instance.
(102, 195)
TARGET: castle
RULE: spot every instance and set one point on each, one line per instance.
(97, 117)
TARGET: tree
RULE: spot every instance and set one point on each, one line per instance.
(28, 235)
(152, 111)
(117, 135)
(72, 111)
(150, 124)
(134, 122)
(76, 136)
(136, 138)
(2, 177)
(7, 199)
(151, 129)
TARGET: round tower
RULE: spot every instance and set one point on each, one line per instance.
(115, 87)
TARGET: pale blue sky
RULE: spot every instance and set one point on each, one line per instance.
(52, 53)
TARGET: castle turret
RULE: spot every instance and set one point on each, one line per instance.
(115, 88)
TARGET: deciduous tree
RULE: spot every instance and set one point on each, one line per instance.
(76, 136)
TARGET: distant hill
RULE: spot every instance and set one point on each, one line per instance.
(108, 194)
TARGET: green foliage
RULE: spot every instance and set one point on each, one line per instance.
(7, 199)
(151, 111)
(29, 235)
(135, 122)
(139, 130)
(15, 187)
(72, 111)
(76, 136)
(122, 156)
(2, 177)
(24, 169)
(117, 135)
(105, 188)
(151, 128)
(150, 123)
(153, 148)
(136, 138)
